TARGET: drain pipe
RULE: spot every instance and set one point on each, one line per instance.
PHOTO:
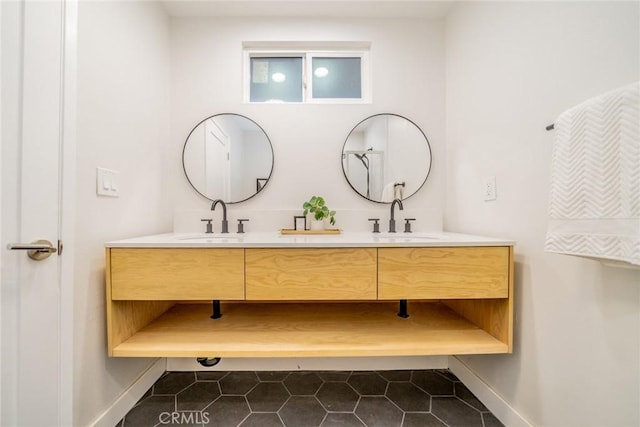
(208, 362)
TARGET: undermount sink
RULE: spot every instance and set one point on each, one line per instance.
(210, 237)
(405, 237)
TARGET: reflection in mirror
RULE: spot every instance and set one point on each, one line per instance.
(386, 157)
(228, 157)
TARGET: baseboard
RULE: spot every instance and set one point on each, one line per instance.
(496, 404)
(130, 396)
(313, 364)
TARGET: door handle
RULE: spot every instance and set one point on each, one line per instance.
(37, 250)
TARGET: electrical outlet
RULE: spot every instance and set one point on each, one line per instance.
(489, 189)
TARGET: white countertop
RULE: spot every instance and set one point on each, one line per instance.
(274, 239)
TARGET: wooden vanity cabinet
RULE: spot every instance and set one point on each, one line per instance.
(460, 301)
(443, 273)
(311, 274)
(176, 274)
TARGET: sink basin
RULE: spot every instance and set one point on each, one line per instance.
(210, 238)
(405, 237)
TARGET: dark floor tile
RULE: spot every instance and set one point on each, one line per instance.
(408, 397)
(272, 375)
(210, 375)
(302, 411)
(238, 382)
(421, 420)
(227, 411)
(197, 396)
(267, 397)
(432, 383)
(431, 398)
(341, 420)
(262, 420)
(368, 384)
(378, 411)
(447, 374)
(303, 383)
(396, 375)
(490, 420)
(463, 393)
(454, 412)
(173, 382)
(338, 397)
(340, 376)
(182, 419)
(148, 412)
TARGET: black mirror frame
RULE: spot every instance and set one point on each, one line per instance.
(377, 115)
(268, 178)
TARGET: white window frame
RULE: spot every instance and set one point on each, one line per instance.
(307, 53)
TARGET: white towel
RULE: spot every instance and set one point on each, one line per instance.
(392, 191)
(398, 190)
(595, 179)
(388, 192)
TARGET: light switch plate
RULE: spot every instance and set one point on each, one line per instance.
(107, 182)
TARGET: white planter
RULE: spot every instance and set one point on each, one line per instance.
(317, 225)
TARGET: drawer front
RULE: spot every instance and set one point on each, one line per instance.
(311, 274)
(443, 273)
(177, 274)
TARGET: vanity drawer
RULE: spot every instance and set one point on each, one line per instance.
(443, 273)
(311, 274)
(177, 274)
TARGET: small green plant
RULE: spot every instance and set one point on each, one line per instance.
(316, 206)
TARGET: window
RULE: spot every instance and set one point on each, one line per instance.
(306, 76)
(336, 77)
(276, 79)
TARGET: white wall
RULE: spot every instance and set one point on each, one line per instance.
(512, 68)
(408, 78)
(123, 124)
(407, 57)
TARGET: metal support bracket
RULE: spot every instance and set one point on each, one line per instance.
(403, 309)
(217, 313)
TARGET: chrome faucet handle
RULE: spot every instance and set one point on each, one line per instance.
(241, 225)
(376, 224)
(209, 225)
(407, 224)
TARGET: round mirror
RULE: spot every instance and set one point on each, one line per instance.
(228, 157)
(386, 157)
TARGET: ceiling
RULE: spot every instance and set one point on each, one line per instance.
(309, 8)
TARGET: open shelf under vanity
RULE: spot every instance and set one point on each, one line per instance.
(309, 330)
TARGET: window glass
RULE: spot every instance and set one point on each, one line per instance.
(275, 79)
(336, 77)
(297, 73)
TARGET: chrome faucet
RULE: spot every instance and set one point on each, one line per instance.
(225, 223)
(392, 221)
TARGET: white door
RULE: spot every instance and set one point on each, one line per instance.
(35, 335)
(216, 149)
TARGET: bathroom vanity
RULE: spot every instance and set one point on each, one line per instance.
(293, 296)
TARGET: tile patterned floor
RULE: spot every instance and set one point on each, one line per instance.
(423, 398)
